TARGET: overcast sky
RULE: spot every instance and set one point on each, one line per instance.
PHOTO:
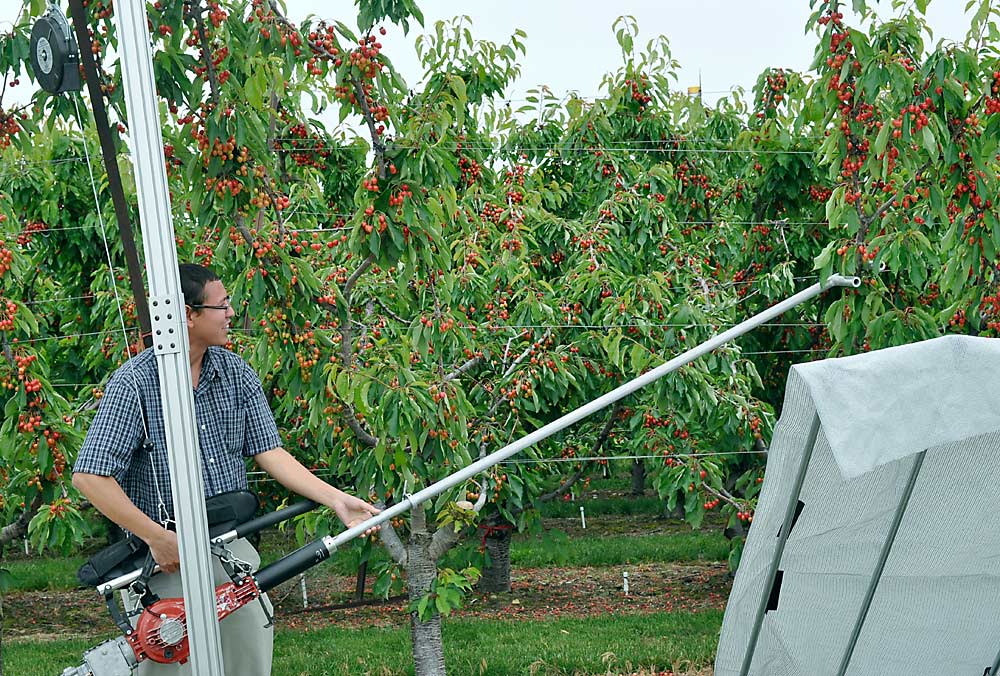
(570, 45)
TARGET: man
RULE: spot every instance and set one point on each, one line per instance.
(127, 480)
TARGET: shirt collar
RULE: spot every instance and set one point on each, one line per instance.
(210, 365)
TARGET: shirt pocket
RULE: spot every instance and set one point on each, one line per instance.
(233, 429)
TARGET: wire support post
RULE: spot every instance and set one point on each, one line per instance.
(170, 339)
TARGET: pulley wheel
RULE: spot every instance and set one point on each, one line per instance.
(54, 55)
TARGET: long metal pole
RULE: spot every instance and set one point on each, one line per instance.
(786, 529)
(890, 539)
(597, 404)
(170, 340)
(323, 548)
(313, 553)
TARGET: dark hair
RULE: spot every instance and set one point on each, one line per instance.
(193, 280)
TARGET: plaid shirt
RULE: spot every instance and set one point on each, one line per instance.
(234, 422)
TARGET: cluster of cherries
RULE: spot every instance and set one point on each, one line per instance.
(6, 258)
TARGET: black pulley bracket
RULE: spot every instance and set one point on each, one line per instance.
(54, 54)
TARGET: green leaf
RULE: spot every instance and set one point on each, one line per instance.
(929, 143)
(882, 139)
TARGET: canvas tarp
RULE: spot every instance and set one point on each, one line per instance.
(936, 606)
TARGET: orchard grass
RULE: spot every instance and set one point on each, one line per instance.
(43, 573)
(623, 506)
(553, 548)
(681, 641)
(556, 549)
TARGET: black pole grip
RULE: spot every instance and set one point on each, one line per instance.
(289, 566)
(271, 518)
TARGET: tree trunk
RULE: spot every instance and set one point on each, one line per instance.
(496, 574)
(421, 570)
(676, 513)
(1, 634)
(638, 477)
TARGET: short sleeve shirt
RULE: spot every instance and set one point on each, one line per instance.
(233, 418)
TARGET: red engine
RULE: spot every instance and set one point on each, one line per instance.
(161, 632)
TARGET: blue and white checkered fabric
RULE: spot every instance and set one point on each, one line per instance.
(234, 422)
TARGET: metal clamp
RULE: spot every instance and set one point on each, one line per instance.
(166, 315)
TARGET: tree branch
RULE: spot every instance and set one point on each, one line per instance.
(194, 12)
(347, 353)
(366, 112)
(464, 368)
(17, 529)
(598, 444)
(443, 539)
(389, 312)
(391, 541)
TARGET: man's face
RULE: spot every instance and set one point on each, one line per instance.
(208, 323)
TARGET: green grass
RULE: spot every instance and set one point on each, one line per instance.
(555, 549)
(551, 549)
(37, 574)
(624, 506)
(472, 647)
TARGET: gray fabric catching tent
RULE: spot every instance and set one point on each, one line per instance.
(873, 550)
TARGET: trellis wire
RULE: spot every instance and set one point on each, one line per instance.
(342, 228)
(317, 146)
(498, 327)
(259, 476)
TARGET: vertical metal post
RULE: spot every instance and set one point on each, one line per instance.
(897, 518)
(786, 528)
(170, 340)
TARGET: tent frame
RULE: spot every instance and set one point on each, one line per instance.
(877, 573)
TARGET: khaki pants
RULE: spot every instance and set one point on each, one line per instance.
(246, 642)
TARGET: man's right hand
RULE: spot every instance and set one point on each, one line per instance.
(105, 493)
(163, 546)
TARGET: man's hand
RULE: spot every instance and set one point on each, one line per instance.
(107, 496)
(163, 545)
(290, 473)
(353, 511)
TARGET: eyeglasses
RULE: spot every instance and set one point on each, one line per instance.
(226, 304)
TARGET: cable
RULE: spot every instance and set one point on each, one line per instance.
(576, 149)
(635, 146)
(773, 222)
(711, 454)
(56, 300)
(65, 336)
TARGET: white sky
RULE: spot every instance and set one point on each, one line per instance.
(570, 45)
